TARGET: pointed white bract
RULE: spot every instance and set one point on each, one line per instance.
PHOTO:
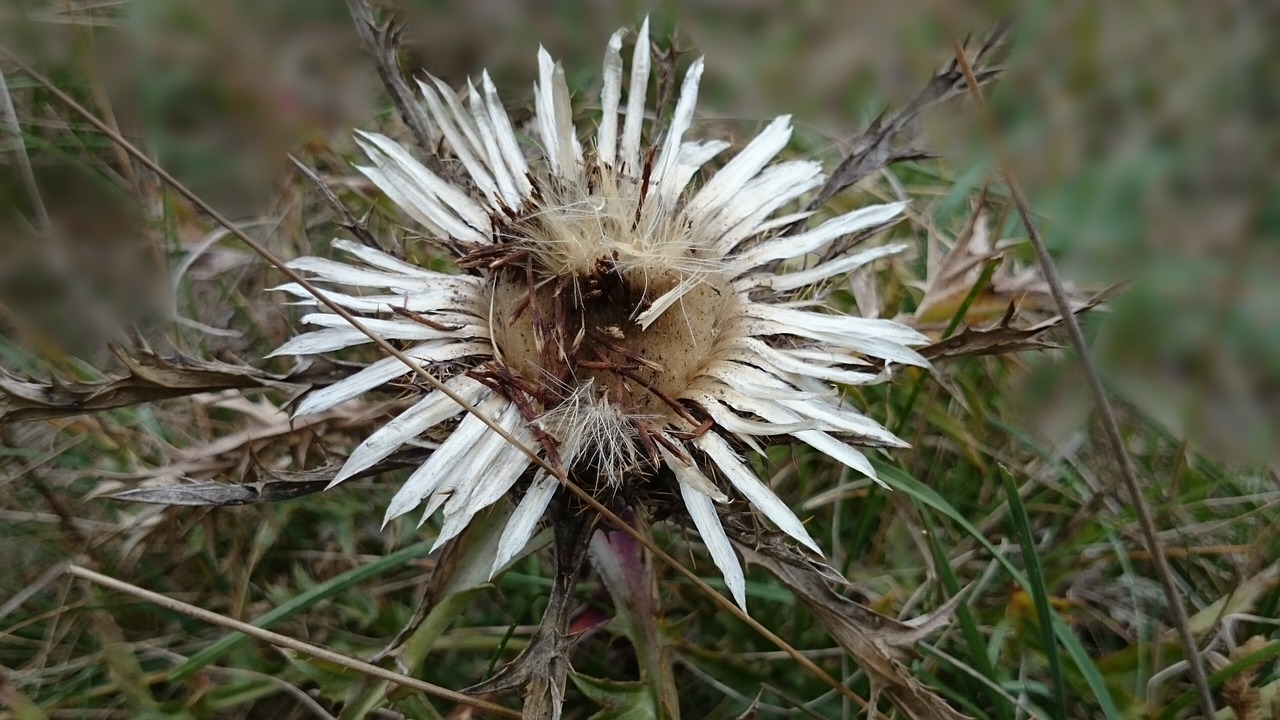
(610, 95)
(637, 91)
(524, 520)
(620, 309)
(459, 134)
(471, 440)
(832, 268)
(722, 188)
(680, 122)
(508, 147)
(703, 513)
(432, 410)
(744, 479)
(385, 370)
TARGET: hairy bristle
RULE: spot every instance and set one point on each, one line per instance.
(576, 225)
(594, 434)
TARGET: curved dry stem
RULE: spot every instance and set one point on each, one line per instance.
(285, 641)
(542, 668)
(1128, 473)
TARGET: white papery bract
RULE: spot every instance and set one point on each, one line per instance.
(611, 313)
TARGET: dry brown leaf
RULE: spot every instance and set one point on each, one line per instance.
(1003, 337)
(272, 427)
(877, 643)
(260, 484)
(951, 272)
(149, 378)
(250, 465)
(217, 494)
(953, 269)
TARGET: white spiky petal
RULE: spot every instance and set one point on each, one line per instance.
(614, 314)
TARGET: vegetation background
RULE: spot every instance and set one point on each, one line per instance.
(1145, 133)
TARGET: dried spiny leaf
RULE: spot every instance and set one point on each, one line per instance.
(218, 494)
(951, 272)
(542, 668)
(1003, 337)
(382, 43)
(745, 528)
(875, 148)
(261, 484)
(954, 268)
(149, 378)
(359, 229)
(876, 642)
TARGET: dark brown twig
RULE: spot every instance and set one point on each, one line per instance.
(1128, 473)
(381, 42)
(284, 641)
(423, 319)
(358, 228)
(874, 148)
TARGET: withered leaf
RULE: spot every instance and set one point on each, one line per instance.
(974, 274)
(876, 642)
(261, 484)
(149, 378)
(875, 148)
(953, 269)
(218, 493)
(1003, 337)
(542, 668)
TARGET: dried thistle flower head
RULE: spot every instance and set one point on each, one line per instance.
(627, 322)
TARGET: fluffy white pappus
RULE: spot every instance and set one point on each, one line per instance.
(593, 432)
(576, 225)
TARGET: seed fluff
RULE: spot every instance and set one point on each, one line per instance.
(628, 322)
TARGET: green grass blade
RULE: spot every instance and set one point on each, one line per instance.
(899, 480)
(301, 602)
(968, 625)
(1232, 669)
(1039, 592)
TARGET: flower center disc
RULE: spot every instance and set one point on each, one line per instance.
(564, 333)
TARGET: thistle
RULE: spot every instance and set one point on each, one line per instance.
(636, 327)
